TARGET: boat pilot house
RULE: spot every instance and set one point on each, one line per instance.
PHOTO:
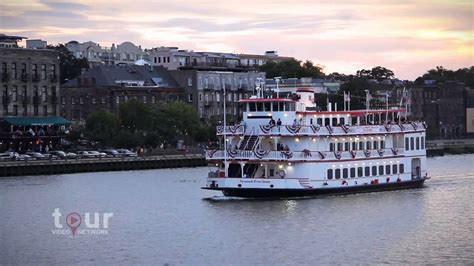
(32, 133)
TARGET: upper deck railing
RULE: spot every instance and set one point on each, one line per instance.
(305, 155)
(316, 130)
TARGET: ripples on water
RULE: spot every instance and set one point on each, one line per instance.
(161, 216)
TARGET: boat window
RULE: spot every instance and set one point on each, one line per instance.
(382, 144)
(339, 146)
(368, 146)
(387, 169)
(381, 170)
(417, 143)
(361, 145)
(259, 107)
(353, 172)
(326, 121)
(345, 173)
(334, 121)
(354, 146)
(374, 170)
(367, 171)
(292, 106)
(394, 169)
(422, 143)
(342, 121)
(407, 146)
(412, 143)
(376, 145)
(320, 121)
(402, 168)
(331, 146)
(287, 107)
(252, 107)
(267, 106)
(338, 173)
(275, 107)
(359, 172)
(281, 107)
(272, 172)
(329, 173)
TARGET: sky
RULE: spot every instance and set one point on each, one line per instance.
(408, 37)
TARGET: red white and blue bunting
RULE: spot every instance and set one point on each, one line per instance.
(266, 128)
(381, 152)
(210, 153)
(287, 154)
(293, 129)
(232, 153)
(322, 154)
(367, 153)
(329, 128)
(220, 129)
(234, 129)
(338, 154)
(395, 151)
(413, 124)
(353, 153)
(345, 128)
(388, 127)
(402, 128)
(315, 128)
(260, 154)
(425, 125)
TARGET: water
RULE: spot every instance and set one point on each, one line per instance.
(162, 217)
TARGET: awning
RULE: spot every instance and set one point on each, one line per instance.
(34, 121)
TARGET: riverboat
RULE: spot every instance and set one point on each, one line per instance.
(286, 146)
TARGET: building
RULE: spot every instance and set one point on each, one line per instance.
(105, 87)
(29, 99)
(442, 106)
(125, 53)
(315, 84)
(36, 44)
(470, 112)
(7, 41)
(30, 82)
(204, 90)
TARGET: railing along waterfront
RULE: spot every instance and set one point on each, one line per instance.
(305, 155)
(316, 130)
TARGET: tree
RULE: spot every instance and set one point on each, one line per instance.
(379, 73)
(102, 126)
(292, 69)
(441, 74)
(135, 116)
(70, 67)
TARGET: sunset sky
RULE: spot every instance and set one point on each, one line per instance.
(408, 37)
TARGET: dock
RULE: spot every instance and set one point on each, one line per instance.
(66, 166)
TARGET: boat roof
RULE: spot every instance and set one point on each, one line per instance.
(252, 100)
(353, 112)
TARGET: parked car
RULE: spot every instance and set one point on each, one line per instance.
(127, 153)
(50, 156)
(7, 156)
(111, 153)
(98, 154)
(36, 155)
(71, 155)
(24, 157)
(59, 154)
(85, 154)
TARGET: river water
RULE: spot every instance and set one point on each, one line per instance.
(162, 217)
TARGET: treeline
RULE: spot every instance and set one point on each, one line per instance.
(140, 125)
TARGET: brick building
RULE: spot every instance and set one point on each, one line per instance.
(106, 87)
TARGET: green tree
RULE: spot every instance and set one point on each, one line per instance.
(70, 67)
(102, 126)
(441, 74)
(135, 116)
(292, 69)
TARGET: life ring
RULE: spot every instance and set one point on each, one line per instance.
(282, 173)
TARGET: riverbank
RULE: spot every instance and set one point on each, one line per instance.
(441, 147)
(51, 167)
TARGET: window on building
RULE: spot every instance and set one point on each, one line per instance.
(45, 110)
(381, 170)
(190, 82)
(63, 100)
(102, 100)
(144, 98)
(387, 169)
(14, 71)
(359, 172)
(15, 110)
(73, 100)
(43, 71)
(93, 100)
(374, 170)
(329, 173)
(81, 100)
(402, 168)
(15, 93)
(44, 94)
(394, 169)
